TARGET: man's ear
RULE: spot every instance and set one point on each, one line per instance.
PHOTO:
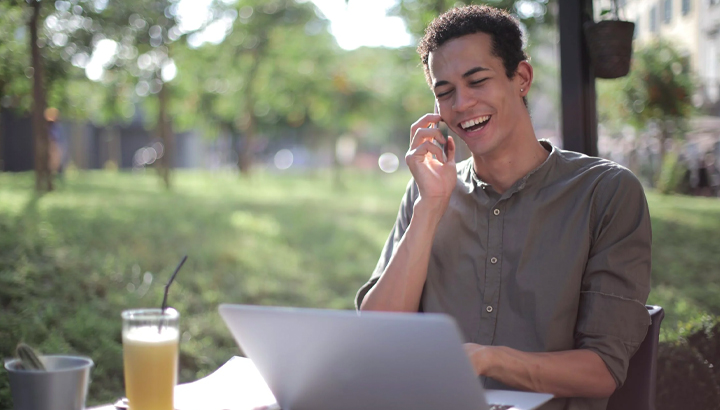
(523, 77)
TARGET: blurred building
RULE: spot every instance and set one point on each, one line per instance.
(133, 145)
(88, 146)
(691, 25)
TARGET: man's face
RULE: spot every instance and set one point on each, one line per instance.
(476, 99)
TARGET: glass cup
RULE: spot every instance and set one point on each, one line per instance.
(150, 356)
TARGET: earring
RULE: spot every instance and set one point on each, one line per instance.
(522, 89)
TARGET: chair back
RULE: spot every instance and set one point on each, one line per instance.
(638, 391)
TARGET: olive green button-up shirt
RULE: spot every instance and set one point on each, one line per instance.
(559, 261)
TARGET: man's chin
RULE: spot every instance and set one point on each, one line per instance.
(480, 143)
(481, 147)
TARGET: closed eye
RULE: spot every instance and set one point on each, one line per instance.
(478, 81)
(443, 94)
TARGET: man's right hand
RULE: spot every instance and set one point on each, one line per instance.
(434, 177)
(400, 286)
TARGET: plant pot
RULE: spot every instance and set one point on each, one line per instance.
(63, 386)
(610, 46)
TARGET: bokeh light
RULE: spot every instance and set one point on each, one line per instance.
(283, 159)
(388, 162)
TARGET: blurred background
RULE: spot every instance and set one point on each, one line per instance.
(265, 139)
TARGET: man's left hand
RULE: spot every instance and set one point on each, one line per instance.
(568, 373)
(479, 356)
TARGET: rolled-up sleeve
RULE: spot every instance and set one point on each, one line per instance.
(401, 224)
(612, 318)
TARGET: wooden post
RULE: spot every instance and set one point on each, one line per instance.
(579, 114)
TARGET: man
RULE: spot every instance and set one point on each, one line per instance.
(541, 255)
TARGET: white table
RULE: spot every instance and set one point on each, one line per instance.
(236, 385)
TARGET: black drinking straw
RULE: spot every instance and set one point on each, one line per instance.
(167, 288)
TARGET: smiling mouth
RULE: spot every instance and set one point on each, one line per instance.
(475, 124)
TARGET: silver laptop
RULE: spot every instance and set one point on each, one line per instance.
(329, 359)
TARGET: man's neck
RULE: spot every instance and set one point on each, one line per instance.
(510, 162)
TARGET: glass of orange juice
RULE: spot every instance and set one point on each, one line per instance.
(150, 355)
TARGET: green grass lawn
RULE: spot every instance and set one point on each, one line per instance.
(686, 259)
(71, 260)
(103, 242)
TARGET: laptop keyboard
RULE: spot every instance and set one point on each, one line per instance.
(500, 407)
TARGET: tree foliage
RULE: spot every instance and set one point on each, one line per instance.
(282, 74)
(659, 87)
(276, 72)
(655, 98)
(14, 60)
(419, 13)
(658, 90)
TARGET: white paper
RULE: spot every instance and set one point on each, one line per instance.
(236, 385)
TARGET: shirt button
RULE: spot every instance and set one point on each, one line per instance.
(489, 309)
(493, 260)
(496, 212)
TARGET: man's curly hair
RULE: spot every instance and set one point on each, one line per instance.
(457, 22)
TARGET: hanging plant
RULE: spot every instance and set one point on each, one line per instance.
(610, 44)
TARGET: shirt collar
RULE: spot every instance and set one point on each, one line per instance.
(471, 180)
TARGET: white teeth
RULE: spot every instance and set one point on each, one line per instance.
(469, 123)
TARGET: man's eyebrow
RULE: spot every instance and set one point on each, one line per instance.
(472, 71)
(468, 73)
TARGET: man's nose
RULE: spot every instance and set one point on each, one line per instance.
(464, 99)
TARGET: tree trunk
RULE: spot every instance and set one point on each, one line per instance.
(43, 177)
(164, 164)
(79, 146)
(2, 141)
(231, 133)
(337, 167)
(2, 146)
(633, 154)
(664, 136)
(114, 147)
(245, 156)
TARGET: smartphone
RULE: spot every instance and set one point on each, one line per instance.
(444, 147)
